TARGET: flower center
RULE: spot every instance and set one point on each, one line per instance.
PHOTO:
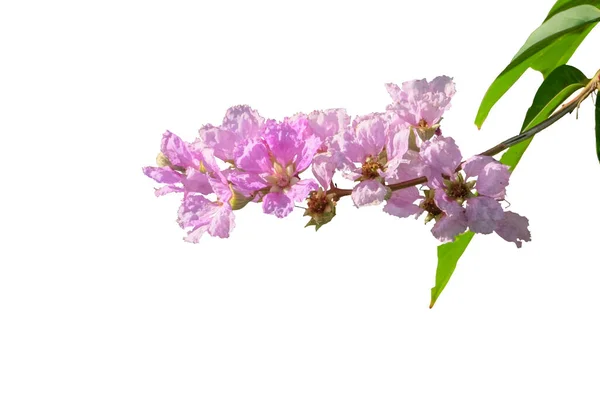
(370, 168)
(458, 190)
(422, 123)
(283, 181)
(430, 206)
(282, 178)
(317, 202)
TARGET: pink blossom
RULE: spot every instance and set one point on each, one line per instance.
(420, 103)
(240, 123)
(179, 167)
(369, 151)
(271, 164)
(201, 215)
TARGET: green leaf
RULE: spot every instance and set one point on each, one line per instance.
(556, 88)
(598, 126)
(559, 52)
(562, 5)
(548, 46)
(448, 256)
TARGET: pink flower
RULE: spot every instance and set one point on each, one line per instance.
(271, 164)
(370, 152)
(179, 168)
(460, 201)
(325, 125)
(202, 215)
(419, 103)
(240, 123)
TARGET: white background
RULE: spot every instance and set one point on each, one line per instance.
(101, 299)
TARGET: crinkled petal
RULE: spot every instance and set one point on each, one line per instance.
(446, 204)
(401, 204)
(442, 155)
(347, 144)
(492, 176)
(449, 226)
(397, 143)
(323, 168)
(247, 181)
(196, 181)
(514, 228)
(245, 122)
(395, 119)
(221, 189)
(371, 134)
(483, 214)
(394, 91)
(202, 215)
(241, 123)
(223, 222)
(420, 100)
(327, 123)
(221, 141)
(311, 145)
(369, 192)
(277, 203)
(411, 166)
(209, 162)
(177, 151)
(253, 156)
(299, 191)
(474, 165)
(163, 174)
(492, 181)
(301, 125)
(444, 85)
(167, 189)
(289, 146)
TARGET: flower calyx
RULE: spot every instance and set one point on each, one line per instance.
(321, 208)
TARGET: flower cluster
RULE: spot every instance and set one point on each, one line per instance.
(252, 159)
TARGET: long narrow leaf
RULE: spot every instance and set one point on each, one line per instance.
(547, 47)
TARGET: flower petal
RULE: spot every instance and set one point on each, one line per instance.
(449, 226)
(492, 181)
(474, 165)
(371, 131)
(196, 181)
(278, 204)
(401, 204)
(290, 146)
(253, 156)
(300, 190)
(369, 192)
(327, 123)
(397, 143)
(242, 120)
(203, 215)
(442, 155)
(483, 214)
(221, 141)
(163, 174)
(177, 151)
(247, 181)
(323, 168)
(394, 91)
(514, 228)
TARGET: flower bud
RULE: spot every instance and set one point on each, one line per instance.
(238, 200)
(321, 208)
(427, 132)
(162, 160)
